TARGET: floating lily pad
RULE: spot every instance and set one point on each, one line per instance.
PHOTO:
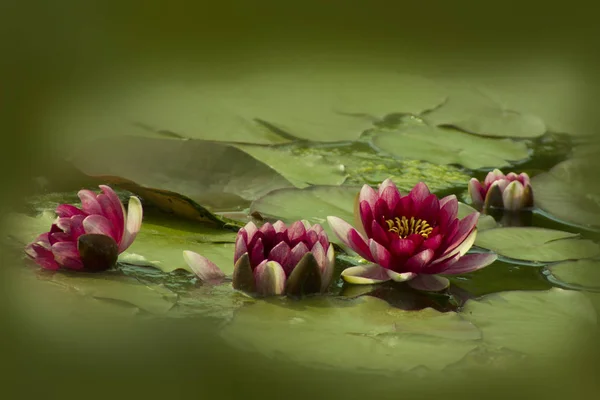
(313, 204)
(199, 170)
(449, 146)
(582, 274)
(162, 246)
(484, 222)
(261, 106)
(536, 244)
(301, 170)
(364, 333)
(472, 111)
(152, 298)
(538, 323)
(570, 192)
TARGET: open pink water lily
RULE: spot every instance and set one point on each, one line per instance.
(274, 260)
(409, 238)
(511, 192)
(91, 237)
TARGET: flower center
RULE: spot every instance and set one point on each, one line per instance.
(404, 227)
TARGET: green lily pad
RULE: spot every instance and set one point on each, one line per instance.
(449, 146)
(301, 170)
(264, 106)
(484, 222)
(537, 323)
(570, 192)
(155, 299)
(314, 204)
(364, 333)
(472, 111)
(199, 170)
(537, 244)
(581, 274)
(162, 246)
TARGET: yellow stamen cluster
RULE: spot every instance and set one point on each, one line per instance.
(404, 227)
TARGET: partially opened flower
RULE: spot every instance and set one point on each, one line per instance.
(275, 259)
(409, 238)
(511, 192)
(91, 237)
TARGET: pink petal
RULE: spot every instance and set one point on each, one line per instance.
(77, 228)
(366, 216)
(89, 202)
(67, 211)
(465, 227)
(378, 234)
(312, 237)
(368, 194)
(470, 263)
(381, 210)
(257, 253)
(524, 179)
(316, 228)
(117, 212)
(461, 249)
(42, 255)
(365, 274)
(98, 224)
(270, 278)
(296, 233)
(390, 195)
(428, 209)
(281, 253)
(429, 283)
(417, 262)
(319, 254)
(493, 176)
(433, 242)
(402, 248)
(384, 185)
(279, 226)
(297, 253)
(67, 255)
(133, 223)
(250, 230)
(324, 240)
(349, 236)
(205, 269)
(475, 190)
(268, 232)
(419, 193)
(448, 211)
(118, 224)
(240, 247)
(441, 265)
(379, 254)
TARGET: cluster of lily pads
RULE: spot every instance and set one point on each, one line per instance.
(414, 238)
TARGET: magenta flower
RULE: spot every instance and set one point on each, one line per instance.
(274, 260)
(91, 237)
(512, 192)
(409, 238)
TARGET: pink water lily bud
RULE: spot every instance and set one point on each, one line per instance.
(409, 238)
(510, 192)
(275, 260)
(91, 237)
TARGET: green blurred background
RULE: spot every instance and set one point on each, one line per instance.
(55, 52)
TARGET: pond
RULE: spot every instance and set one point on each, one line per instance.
(207, 156)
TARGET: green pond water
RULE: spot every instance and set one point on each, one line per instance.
(208, 149)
